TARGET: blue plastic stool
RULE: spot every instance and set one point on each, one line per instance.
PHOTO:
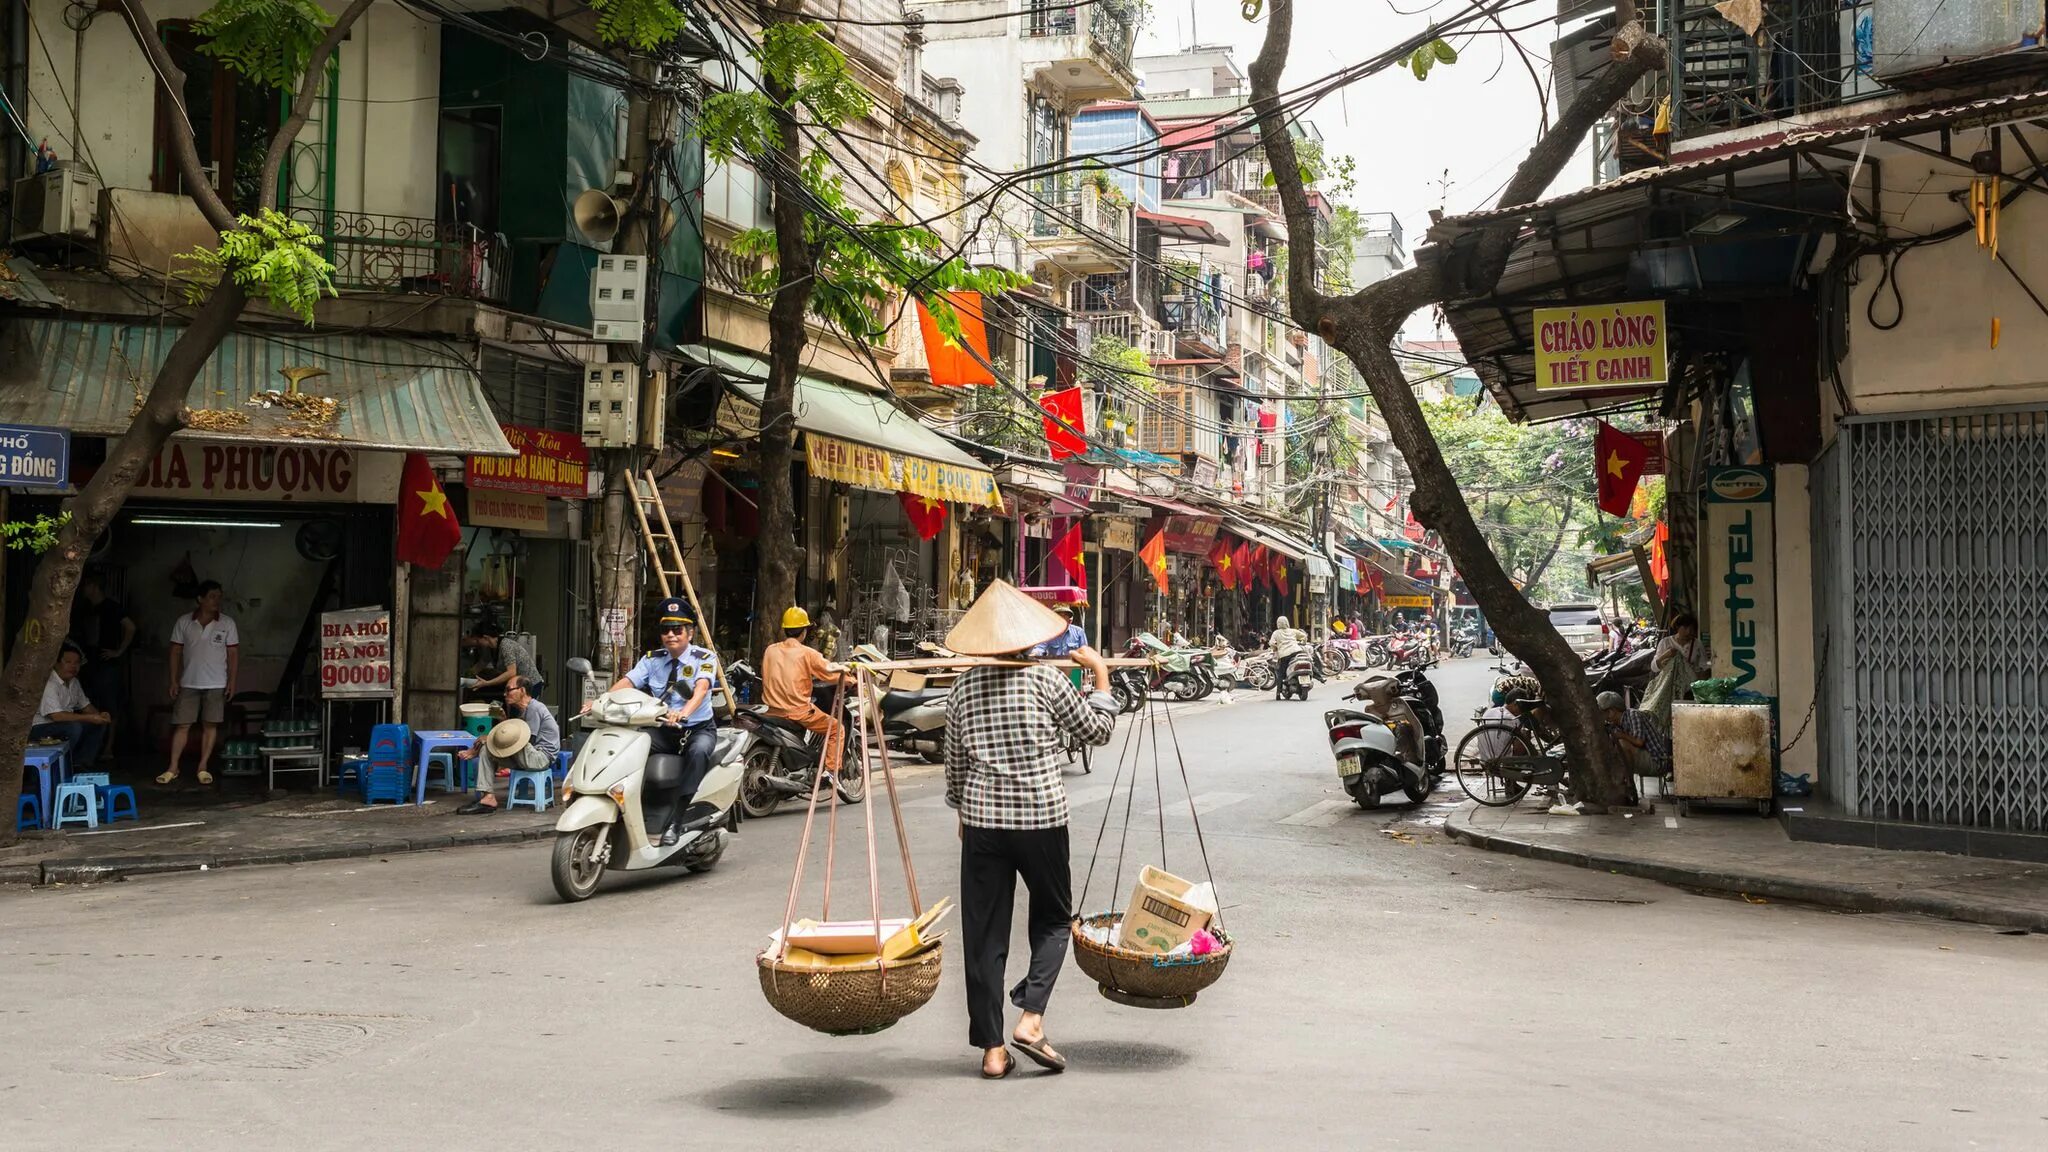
(387, 783)
(352, 770)
(443, 772)
(110, 798)
(28, 815)
(564, 761)
(540, 786)
(87, 808)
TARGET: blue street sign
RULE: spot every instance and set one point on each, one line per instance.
(34, 457)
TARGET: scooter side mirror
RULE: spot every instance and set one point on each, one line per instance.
(578, 665)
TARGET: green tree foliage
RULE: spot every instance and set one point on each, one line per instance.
(861, 264)
(273, 257)
(36, 534)
(641, 24)
(1531, 489)
(266, 41)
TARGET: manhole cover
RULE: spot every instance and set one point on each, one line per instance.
(240, 1038)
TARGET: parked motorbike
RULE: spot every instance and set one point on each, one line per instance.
(784, 761)
(1392, 741)
(1255, 669)
(615, 775)
(913, 720)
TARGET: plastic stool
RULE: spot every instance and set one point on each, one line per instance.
(564, 760)
(443, 772)
(476, 725)
(382, 783)
(28, 815)
(540, 784)
(110, 798)
(353, 769)
(88, 807)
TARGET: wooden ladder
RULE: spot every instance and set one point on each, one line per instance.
(665, 556)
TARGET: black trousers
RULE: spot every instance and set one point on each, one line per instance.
(991, 862)
(694, 743)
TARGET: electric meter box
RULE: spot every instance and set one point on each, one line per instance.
(618, 298)
(611, 405)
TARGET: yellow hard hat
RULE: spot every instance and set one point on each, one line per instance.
(796, 618)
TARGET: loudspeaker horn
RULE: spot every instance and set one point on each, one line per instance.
(597, 215)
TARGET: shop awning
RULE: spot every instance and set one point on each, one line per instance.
(1188, 229)
(863, 439)
(395, 395)
(1272, 538)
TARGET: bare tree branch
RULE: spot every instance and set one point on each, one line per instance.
(1302, 293)
(309, 91)
(184, 150)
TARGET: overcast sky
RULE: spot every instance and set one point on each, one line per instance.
(1469, 124)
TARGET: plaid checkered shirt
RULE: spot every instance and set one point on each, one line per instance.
(1003, 757)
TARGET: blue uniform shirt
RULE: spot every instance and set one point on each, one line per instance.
(651, 675)
(1064, 644)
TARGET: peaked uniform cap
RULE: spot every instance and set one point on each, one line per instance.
(1003, 620)
(507, 737)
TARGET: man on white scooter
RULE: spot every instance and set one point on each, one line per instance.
(680, 675)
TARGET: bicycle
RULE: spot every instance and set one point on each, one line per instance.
(1500, 760)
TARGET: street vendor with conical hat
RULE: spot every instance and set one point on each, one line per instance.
(1004, 729)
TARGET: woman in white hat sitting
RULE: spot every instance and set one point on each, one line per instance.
(1004, 728)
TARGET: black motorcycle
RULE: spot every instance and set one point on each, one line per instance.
(784, 761)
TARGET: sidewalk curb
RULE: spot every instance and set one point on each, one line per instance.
(100, 868)
(1844, 896)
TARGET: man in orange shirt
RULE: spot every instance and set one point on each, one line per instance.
(788, 671)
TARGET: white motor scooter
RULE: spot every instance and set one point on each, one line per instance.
(605, 826)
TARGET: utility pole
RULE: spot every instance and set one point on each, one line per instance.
(650, 121)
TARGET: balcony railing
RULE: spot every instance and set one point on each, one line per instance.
(377, 253)
(1808, 55)
(1082, 213)
(1112, 24)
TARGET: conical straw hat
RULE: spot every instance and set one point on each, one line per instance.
(507, 738)
(1003, 620)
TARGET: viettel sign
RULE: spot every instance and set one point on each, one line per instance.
(1738, 486)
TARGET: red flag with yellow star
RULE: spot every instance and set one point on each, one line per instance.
(1153, 557)
(1069, 552)
(927, 515)
(1618, 461)
(1226, 566)
(427, 529)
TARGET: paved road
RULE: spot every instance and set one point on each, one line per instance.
(1392, 991)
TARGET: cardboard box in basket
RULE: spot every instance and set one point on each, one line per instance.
(1165, 912)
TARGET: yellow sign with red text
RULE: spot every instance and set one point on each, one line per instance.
(1600, 346)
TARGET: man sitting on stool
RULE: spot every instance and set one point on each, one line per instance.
(680, 675)
(530, 742)
(65, 714)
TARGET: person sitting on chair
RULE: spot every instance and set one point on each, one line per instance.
(1645, 748)
(789, 669)
(65, 714)
(531, 746)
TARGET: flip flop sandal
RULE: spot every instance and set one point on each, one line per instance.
(1040, 1054)
(205, 777)
(1009, 1066)
(170, 777)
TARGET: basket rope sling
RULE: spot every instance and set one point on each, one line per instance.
(1125, 975)
(852, 1001)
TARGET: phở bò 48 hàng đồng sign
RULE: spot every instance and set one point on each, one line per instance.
(1600, 346)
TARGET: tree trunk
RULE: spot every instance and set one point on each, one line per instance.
(1363, 327)
(161, 415)
(788, 333)
(1538, 567)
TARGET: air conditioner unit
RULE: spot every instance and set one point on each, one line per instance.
(60, 203)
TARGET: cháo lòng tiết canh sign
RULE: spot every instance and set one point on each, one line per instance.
(1600, 346)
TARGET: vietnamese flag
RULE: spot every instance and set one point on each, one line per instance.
(1154, 556)
(1068, 551)
(1241, 558)
(1219, 555)
(1064, 429)
(427, 529)
(962, 363)
(1618, 461)
(1280, 575)
(926, 515)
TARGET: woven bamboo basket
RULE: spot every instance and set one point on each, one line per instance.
(1143, 979)
(851, 1001)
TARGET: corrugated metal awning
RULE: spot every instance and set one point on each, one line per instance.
(395, 395)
